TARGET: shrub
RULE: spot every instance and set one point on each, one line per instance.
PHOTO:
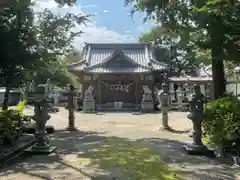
(221, 123)
(10, 126)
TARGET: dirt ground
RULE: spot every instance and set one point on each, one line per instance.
(76, 158)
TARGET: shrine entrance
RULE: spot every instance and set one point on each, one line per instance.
(118, 95)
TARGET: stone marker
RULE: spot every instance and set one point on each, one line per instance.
(196, 115)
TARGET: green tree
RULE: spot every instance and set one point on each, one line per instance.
(66, 2)
(57, 71)
(216, 20)
(55, 35)
(36, 45)
(179, 53)
(17, 43)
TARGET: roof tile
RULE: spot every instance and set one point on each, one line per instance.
(118, 70)
(140, 53)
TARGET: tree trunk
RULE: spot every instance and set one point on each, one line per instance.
(6, 96)
(219, 83)
(217, 41)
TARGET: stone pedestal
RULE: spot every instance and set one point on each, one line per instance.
(193, 149)
(147, 101)
(88, 106)
(42, 147)
(147, 106)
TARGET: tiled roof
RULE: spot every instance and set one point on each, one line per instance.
(79, 66)
(97, 54)
(118, 70)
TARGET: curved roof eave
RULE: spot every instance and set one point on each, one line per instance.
(72, 67)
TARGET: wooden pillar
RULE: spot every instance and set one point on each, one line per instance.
(83, 89)
(153, 89)
(137, 91)
(99, 91)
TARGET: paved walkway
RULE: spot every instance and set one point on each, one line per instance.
(85, 154)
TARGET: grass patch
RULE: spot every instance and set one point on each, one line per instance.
(133, 161)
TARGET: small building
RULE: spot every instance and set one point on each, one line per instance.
(186, 83)
(118, 73)
(15, 96)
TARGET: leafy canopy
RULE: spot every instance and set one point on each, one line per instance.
(179, 53)
(195, 20)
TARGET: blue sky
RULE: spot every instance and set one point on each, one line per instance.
(113, 15)
(111, 21)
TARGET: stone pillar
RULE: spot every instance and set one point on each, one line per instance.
(41, 117)
(172, 92)
(165, 106)
(71, 106)
(196, 116)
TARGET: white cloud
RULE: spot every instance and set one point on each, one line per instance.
(90, 6)
(105, 11)
(92, 32)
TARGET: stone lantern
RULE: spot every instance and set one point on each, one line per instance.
(41, 116)
(196, 116)
(164, 97)
(71, 107)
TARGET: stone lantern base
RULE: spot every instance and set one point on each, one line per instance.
(69, 128)
(40, 149)
(200, 150)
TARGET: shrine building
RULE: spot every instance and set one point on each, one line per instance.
(118, 73)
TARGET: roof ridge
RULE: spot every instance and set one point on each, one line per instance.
(120, 53)
(92, 67)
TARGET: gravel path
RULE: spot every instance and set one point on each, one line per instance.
(75, 149)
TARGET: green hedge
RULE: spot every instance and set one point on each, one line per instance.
(221, 120)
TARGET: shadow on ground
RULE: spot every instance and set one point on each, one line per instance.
(96, 156)
(175, 131)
